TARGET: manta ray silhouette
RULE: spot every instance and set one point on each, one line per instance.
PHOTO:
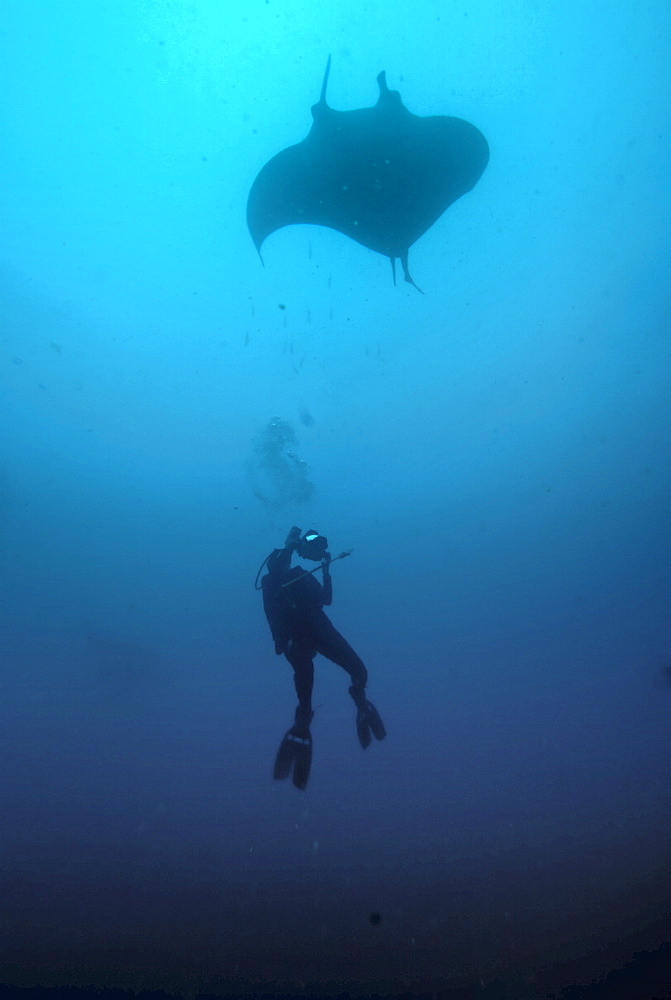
(380, 175)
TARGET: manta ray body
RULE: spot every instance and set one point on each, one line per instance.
(380, 175)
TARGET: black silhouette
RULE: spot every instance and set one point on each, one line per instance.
(380, 175)
(294, 603)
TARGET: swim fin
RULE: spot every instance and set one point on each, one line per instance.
(368, 721)
(295, 752)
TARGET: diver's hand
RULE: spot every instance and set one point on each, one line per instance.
(326, 560)
(293, 538)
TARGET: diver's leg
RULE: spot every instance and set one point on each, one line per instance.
(295, 752)
(301, 659)
(335, 647)
(331, 644)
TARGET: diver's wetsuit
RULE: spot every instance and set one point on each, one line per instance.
(300, 627)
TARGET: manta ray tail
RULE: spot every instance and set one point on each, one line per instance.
(408, 277)
(322, 96)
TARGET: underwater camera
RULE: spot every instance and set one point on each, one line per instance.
(312, 546)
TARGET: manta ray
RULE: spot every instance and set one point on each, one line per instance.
(380, 175)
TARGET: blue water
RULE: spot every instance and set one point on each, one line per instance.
(496, 452)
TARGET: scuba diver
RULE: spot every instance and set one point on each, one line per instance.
(293, 600)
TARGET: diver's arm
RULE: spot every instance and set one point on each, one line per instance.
(278, 565)
(280, 561)
(327, 597)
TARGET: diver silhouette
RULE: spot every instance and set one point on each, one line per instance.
(294, 602)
